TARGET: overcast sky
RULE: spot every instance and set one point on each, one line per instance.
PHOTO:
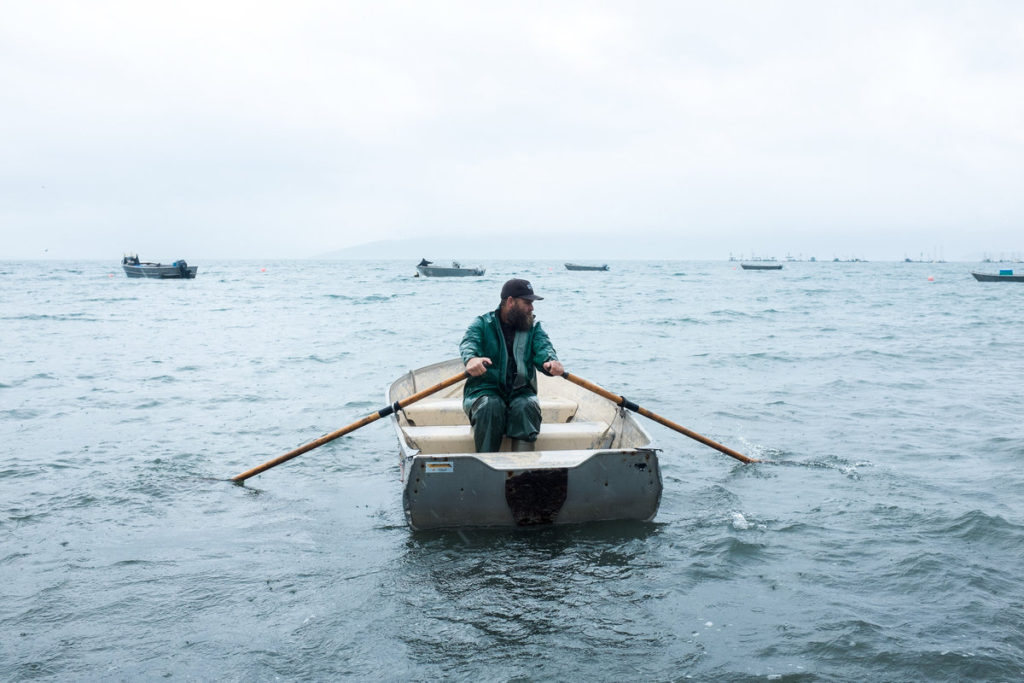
(288, 129)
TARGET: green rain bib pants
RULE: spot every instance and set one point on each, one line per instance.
(492, 418)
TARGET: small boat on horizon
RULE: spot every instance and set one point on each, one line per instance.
(761, 266)
(179, 270)
(1004, 275)
(579, 266)
(427, 269)
(591, 462)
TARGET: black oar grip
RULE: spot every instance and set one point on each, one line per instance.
(393, 408)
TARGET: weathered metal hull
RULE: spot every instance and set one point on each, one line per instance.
(435, 271)
(758, 266)
(593, 461)
(159, 271)
(525, 489)
(991, 277)
(576, 266)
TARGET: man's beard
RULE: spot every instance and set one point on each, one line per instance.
(519, 319)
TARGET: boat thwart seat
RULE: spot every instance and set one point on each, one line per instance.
(443, 439)
(448, 411)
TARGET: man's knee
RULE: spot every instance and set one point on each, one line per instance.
(532, 409)
(488, 409)
(488, 415)
(524, 418)
(527, 407)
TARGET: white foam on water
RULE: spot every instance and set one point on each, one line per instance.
(739, 522)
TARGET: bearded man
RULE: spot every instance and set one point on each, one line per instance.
(503, 350)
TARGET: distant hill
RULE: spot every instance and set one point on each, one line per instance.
(622, 246)
(489, 247)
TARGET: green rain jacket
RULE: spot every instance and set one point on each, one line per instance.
(483, 338)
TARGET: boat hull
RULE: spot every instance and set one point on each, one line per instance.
(434, 271)
(593, 460)
(159, 271)
(755, 266)
(990, 277)
(528, 489)
(576, 266)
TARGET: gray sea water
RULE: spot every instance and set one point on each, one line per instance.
(881, 539)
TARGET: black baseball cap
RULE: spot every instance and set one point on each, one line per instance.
(520, 289)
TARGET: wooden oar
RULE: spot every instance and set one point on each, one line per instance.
(625, 403)
(383, 412)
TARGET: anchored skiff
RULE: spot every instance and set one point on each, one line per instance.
(179, 270)
(425, 269)
(1003, 276)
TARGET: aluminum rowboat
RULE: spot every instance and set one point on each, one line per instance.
(592, 461)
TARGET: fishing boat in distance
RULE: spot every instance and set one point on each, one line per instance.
(578, 266)
(1004, 275)
(761, 266)
(427, 269)
(179, 270)
(592, 461)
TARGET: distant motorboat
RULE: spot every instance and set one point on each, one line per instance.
(1002, 276)
(179, 270)
(761, 266)
(426, 269)
(578, 266)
